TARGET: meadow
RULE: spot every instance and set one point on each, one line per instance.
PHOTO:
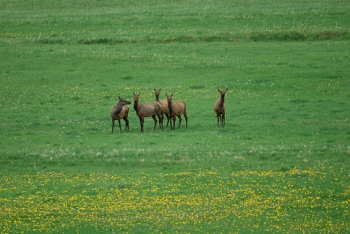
(281, 163)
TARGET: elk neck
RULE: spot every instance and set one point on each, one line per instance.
(157, 97)
(119, 108)
(136, 105)
(222, 100)
(170, 106)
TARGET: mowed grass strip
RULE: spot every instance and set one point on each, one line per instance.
(116, 22)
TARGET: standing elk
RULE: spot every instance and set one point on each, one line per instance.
(148, 109)
(220, 107)
(176, 109)
(120, 111)
(164, 105)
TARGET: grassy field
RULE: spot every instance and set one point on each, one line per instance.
(281, 164)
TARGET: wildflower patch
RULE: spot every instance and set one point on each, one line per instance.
(200, 200)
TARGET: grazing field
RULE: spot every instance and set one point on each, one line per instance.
(280, 164)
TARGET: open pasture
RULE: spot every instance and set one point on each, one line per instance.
(280, 164)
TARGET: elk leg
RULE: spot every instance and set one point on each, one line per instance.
(185, 114)
(155, 121)
(120, 127)
(169, 120)
(180, 120)
(160, 118)
(141, 123)
(174, 121)
(112, 125)
(126, 124)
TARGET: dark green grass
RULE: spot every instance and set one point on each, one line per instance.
(56, 99)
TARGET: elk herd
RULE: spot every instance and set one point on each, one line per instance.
(172, 109)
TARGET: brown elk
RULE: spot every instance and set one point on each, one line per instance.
(120, 111)
(164, 105)
(148, 109)
(220, 107)
(176, 109)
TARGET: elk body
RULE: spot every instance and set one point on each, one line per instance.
(148, 109)
(176, 109)
(220, 107)
(164, 105)
(120, 111)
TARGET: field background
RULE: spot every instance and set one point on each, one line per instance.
(281, 163)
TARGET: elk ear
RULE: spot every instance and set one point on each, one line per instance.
(119, 97)
(226, 89)
(139, 94)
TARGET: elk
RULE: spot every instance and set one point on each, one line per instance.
(176, 109)
(164, 105)
(148, 109)
(120, 111)
(220, 107)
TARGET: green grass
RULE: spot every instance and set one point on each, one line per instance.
(281, 163)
